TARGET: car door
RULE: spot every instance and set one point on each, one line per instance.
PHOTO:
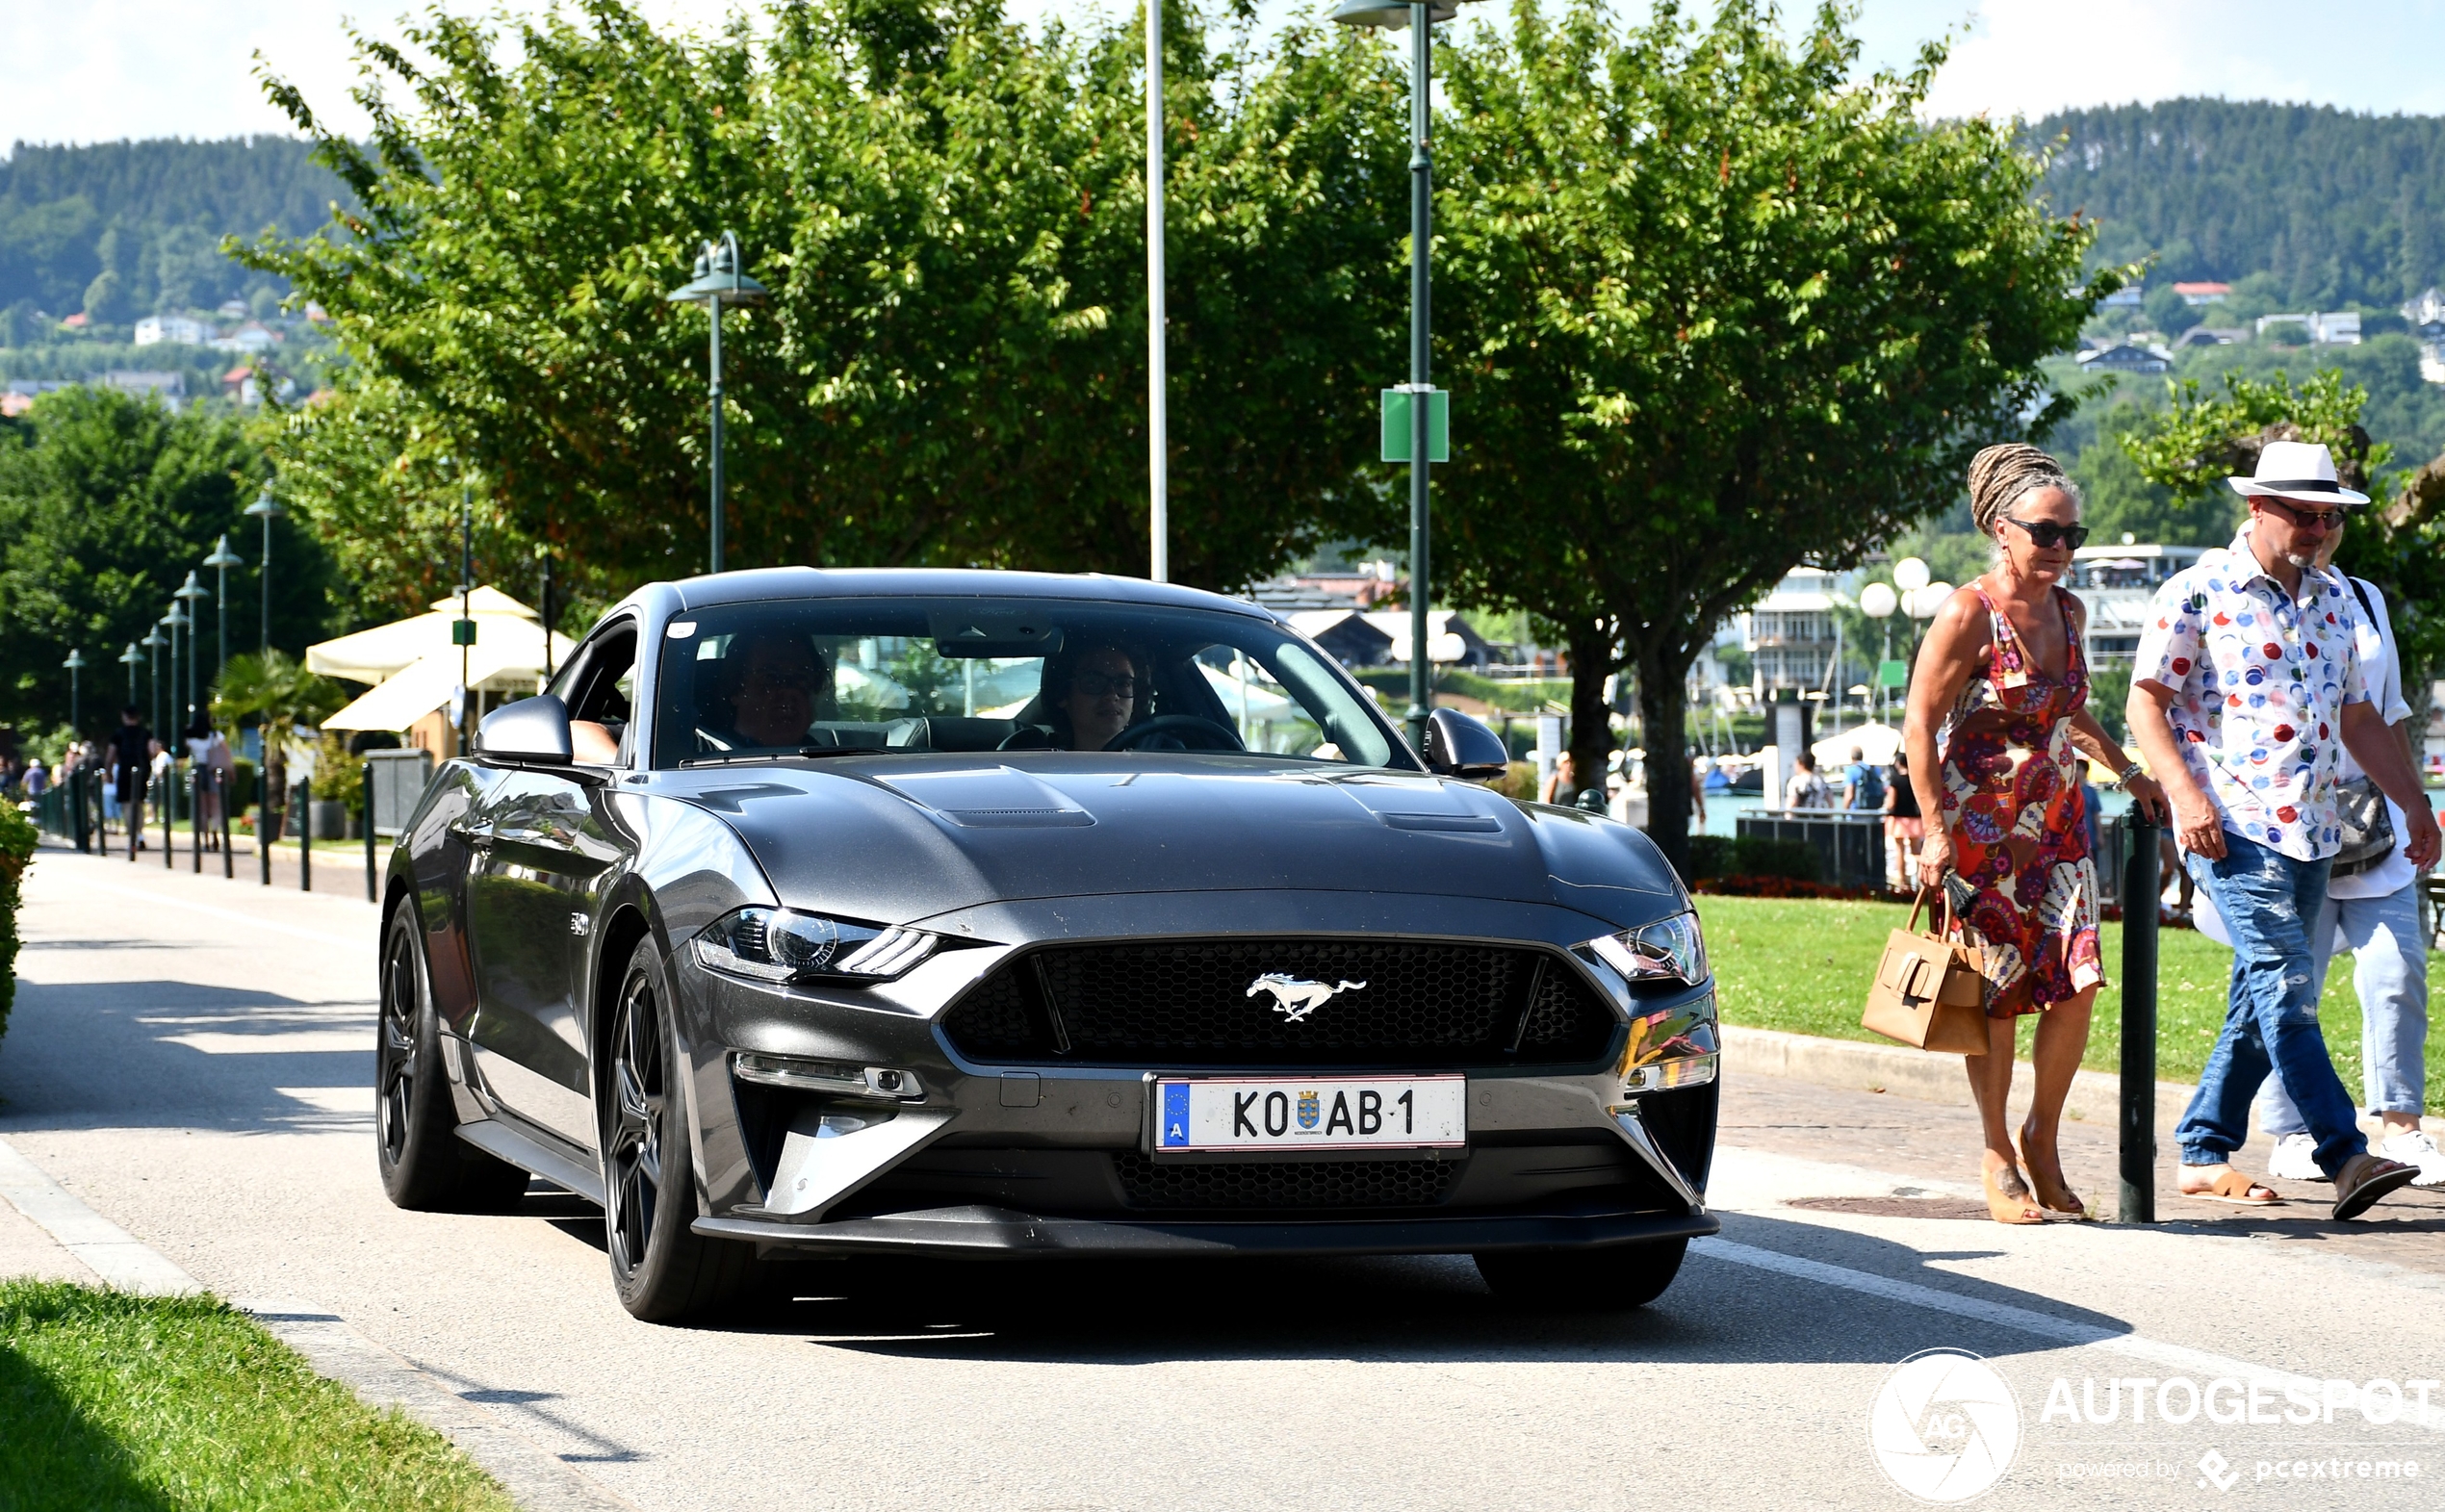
(540, 847)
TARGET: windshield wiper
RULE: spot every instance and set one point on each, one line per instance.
(809, 752)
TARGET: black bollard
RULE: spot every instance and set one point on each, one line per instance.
(221, 805)
(75, 786)
(369, 833)
(197, 785)
(305, 834)
(2140, 887)
(170, 816)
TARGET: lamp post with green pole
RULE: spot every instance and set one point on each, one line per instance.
(154, 642)
(178, 619)
(718, 282)
(75, 665)
(263, 508)
(131, 660)
(190, 594)
(222, 558)
(1416, 423)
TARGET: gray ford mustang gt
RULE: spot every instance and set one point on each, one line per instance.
(975, 914)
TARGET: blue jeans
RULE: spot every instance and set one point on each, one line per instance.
(2390, 974)
(2267, 902)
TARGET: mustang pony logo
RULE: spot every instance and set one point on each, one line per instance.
(1296, 997)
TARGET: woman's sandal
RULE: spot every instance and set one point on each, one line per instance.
(2071, 1207)
(2003, 1206)
(2238, 1189)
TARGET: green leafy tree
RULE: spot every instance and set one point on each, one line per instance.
(951, 369)
(276, 690)
(1711, 309)
(106, 502)
(2201, 437)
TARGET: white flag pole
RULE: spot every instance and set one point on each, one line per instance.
(1158, 420)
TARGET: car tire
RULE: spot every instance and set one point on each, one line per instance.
(1613, 1279)
(425, 1167)
(662, 1269)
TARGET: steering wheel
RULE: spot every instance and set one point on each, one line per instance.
(1217, 737)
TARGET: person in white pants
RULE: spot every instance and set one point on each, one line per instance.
(2374, 913)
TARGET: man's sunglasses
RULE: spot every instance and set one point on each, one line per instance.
(2046, 535)
(2306, 519)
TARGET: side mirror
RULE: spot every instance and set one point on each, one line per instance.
(1458, 745)
(532, 730)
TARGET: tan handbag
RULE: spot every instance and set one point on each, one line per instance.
(1928, 993)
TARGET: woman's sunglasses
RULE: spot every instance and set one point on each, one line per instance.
(2046, 535)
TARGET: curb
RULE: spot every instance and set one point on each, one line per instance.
(535, 1477)
(1897, 1070)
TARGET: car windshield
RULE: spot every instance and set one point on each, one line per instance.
(816, 676)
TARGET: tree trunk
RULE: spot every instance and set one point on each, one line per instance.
(1591, 651)
(1663, 707)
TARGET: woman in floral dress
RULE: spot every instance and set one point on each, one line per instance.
(1998, 718)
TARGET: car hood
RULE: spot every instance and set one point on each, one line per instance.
(903, 837)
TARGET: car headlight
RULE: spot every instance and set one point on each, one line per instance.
(1671, 950)
(785, 945)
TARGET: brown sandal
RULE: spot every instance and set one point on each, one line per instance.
(2002, 1206)
(2236, 1189)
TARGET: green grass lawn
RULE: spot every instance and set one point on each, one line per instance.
(1803, 965)
(112, 1401)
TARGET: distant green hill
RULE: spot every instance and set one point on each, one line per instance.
(150, 215)
(2337, 209)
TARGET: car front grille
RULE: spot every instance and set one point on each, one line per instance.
(1256, 1184)
(1187, 1004)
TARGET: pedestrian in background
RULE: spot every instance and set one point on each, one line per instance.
(1998, 715)
(1905, 827)
(130, 761)
(2374, 911)
(37, 781)
(1862, 785)
(1806, 789)
(2248, 690)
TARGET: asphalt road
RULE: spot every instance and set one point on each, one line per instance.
(192, 1059)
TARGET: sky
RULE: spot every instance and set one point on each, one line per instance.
(98, 70)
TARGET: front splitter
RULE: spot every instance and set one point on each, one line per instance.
(984, 1232)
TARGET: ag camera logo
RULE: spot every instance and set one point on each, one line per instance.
(1944, 1426)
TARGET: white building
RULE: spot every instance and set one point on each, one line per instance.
(253, 339)
(1791, 635)
(2119, 583)
(177, 330)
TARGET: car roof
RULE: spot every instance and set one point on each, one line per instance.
(944, 582)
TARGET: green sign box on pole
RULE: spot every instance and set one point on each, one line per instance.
(1396, 425)
(1893, 674)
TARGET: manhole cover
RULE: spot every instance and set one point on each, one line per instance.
(1894, 1207)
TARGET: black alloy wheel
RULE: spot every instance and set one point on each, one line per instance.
(425, 1165)
(1613, 1279)
(661, 1268)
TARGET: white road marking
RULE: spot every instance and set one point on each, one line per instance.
(319, 936)
(119, 1257)
(2063, 1330)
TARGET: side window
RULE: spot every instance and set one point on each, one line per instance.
(598, 686)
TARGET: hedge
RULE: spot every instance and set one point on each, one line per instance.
(18, 838)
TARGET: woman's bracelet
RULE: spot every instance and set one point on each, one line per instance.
(2131, 769)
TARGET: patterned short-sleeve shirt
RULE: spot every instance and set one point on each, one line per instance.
(2259, 678)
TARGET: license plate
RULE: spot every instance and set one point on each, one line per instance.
(1315, 1113)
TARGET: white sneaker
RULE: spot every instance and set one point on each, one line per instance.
(2416, 1148)
(2295, 1158)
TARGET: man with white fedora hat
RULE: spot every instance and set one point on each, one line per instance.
(2250, 687)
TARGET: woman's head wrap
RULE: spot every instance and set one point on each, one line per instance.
(2000, 474)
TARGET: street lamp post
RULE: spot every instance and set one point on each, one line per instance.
(222, 558)
(179, 620)
(75, 665)
(131, 660)
(718, 282)
(154, 642)
(190, 594)
(1878, 600)
(264, 508)
(1158, 400)
(1419, 17)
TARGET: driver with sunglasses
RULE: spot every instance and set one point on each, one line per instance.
(2248, 688)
